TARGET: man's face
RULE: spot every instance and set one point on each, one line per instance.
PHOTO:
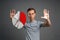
(31, 14)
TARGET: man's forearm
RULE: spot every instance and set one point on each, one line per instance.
(47, 23)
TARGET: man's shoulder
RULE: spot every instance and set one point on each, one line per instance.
(37, 21)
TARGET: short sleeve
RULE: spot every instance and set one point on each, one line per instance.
(25, 26)
(40, 23)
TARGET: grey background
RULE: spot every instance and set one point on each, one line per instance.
(9, 32)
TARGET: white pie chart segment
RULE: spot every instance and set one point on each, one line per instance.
(16, 22)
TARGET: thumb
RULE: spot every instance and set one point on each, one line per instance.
(42, 17)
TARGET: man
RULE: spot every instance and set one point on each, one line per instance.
(32, 27)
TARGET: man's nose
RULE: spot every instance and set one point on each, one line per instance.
(31, 15)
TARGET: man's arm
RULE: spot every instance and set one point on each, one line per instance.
(15, 19)
(47, 21)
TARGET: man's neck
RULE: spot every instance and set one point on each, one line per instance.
(32, 20)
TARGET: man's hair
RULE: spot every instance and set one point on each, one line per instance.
(29, 9)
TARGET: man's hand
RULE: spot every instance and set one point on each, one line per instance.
(46, 14)
(46, 17)
(12, 13)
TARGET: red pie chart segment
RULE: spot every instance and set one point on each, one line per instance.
(22, 17)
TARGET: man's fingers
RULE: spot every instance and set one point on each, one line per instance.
(12, 11)
(45, 12)
(48, 12)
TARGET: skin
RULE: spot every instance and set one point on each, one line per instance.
(32, 14)
(47, 22)
(12, 13)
